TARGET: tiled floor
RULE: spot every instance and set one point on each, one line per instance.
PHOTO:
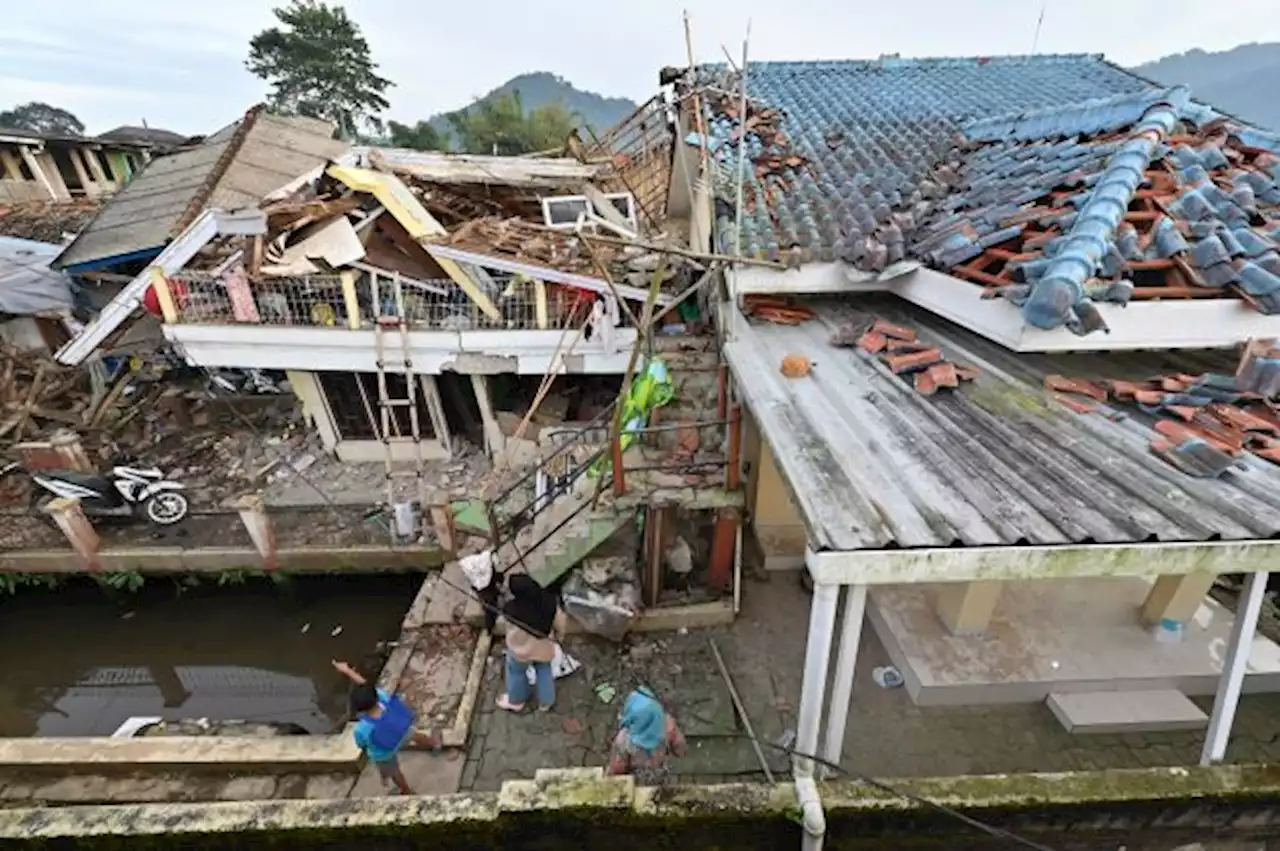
(887, 735)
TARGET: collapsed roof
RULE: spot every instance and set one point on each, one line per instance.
(234, 168)
(28, 287)
(1055, 181)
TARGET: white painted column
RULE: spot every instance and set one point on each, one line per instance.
(817, 658)
(855, 605)
(1228, 696)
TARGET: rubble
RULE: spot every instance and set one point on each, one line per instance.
(1205, 424)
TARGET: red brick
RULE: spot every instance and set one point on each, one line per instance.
(913, 360)
(944, 374)
(872, 342)
(924, 383)
(897, 332)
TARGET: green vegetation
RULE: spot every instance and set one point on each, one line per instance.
(42, 118)
(319, 65)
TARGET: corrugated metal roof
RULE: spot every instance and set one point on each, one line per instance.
(234, 168)
(873, 464)
(27, 285)
(870, 130)
(1217, 208)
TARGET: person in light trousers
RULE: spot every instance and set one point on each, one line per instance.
(535, 625)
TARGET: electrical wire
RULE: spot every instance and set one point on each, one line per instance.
(976, 824)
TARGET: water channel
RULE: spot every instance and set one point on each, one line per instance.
(78, 661)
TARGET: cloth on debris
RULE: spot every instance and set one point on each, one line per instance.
(478, 569)
(562, 665)
(644, 719)
(27, 285)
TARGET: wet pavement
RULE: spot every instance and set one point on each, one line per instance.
(79, 662)
(887, 735)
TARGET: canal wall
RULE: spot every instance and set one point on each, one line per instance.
(1140, 810)
(167, 560)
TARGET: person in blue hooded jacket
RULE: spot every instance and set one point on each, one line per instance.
(647, 735)
(384, 725)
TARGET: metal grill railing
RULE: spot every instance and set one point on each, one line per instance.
(318, 301)
(312, 300)
(638, 150)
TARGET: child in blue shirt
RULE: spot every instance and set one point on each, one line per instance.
(368, 704)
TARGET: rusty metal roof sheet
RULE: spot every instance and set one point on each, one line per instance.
(874, 464)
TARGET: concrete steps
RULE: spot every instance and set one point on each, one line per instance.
(1157, 710)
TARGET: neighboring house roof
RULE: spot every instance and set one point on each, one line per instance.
(27, 285)
(865, 134)
(1084, 202)
(148, 136)
(19, 134)
(47, 221)
(872, 463)
(234, 168)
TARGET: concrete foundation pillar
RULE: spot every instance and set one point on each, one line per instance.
(774, 519)
(441, 514)
(253, 513)
(724, 544)
(966, 607)
(69, 517)
(493, 437)
(1176, 598)
(66, 445)
(95, 168)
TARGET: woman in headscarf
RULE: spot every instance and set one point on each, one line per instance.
(647, 734)
(535, 625)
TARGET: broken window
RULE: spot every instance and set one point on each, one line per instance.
(355, 406)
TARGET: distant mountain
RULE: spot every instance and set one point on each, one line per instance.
(542, 87)
(1242, 81)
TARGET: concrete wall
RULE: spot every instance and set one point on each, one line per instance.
(1144, 810)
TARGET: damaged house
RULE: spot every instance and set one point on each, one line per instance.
(412, 299)
(991, 378)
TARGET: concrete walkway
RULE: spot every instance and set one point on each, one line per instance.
(887, 735)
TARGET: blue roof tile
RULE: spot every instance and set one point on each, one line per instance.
(870, 132)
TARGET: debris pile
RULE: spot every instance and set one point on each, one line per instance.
(904, 354)
(1205, 423)
(47, 221)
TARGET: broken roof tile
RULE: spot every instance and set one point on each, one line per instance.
(913, 361)
(895, 332)
(1062, 384)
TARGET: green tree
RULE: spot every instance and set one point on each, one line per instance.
(42, 118)
(319, 65)
(499, 125)
(421, 136)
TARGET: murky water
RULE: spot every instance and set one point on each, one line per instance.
(75, 662)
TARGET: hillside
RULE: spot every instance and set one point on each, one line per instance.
(541, 88)
(1241, 81)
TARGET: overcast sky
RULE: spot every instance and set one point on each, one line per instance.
(180, 63)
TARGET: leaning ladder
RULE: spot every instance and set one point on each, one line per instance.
(389, 363)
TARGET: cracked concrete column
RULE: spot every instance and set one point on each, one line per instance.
(1176, 598)
(441, 513)
(71, 455)
(69, 517)
(493, 437)
(253, 513)
(965, 608)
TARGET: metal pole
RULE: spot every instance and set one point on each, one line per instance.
(742, 712)
(855, 605)
(742, 146)
(1228, 696)
(817, 657)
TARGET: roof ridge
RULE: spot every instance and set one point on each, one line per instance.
(1058, 297)
(943, 61)
(1095, 114)
(201, 198)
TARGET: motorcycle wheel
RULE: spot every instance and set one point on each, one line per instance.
(166, 508)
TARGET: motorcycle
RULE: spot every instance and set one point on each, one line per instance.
(126, 491)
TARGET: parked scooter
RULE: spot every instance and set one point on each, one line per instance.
(124, 492)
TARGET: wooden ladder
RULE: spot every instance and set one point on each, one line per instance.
(389, 362)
